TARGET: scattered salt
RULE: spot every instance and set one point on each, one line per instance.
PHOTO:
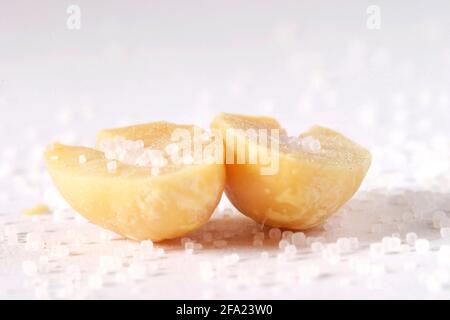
(283, 244)
(411, 238)
(287, 235)
(275, 234)
(189, 247)
(298, 239)
(422, 246)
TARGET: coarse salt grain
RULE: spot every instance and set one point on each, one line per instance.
(298, 239)
(411, 238)
(445, 233)
(275, 234)
(82, 159)
(283, 244)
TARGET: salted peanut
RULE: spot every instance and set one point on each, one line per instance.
(132, 187)
(295, 182)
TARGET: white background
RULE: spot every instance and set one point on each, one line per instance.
(304, 62)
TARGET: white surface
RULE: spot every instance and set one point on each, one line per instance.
(304, 63)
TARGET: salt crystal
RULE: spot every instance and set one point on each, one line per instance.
(274, 233)
(386, 241)
(283, 244)
(146, 245)
(109, 264)
(422, 246)
(394, 244)
(82, 159)
(205, 137)
(354, 243)
(184, 240)
(287, 235)
(411, 238)
(189, 247)
(264, 255)
(290, 250)
(404, 248)
(361, 266)
(298, 239)
(310, 144)
(343, 244)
